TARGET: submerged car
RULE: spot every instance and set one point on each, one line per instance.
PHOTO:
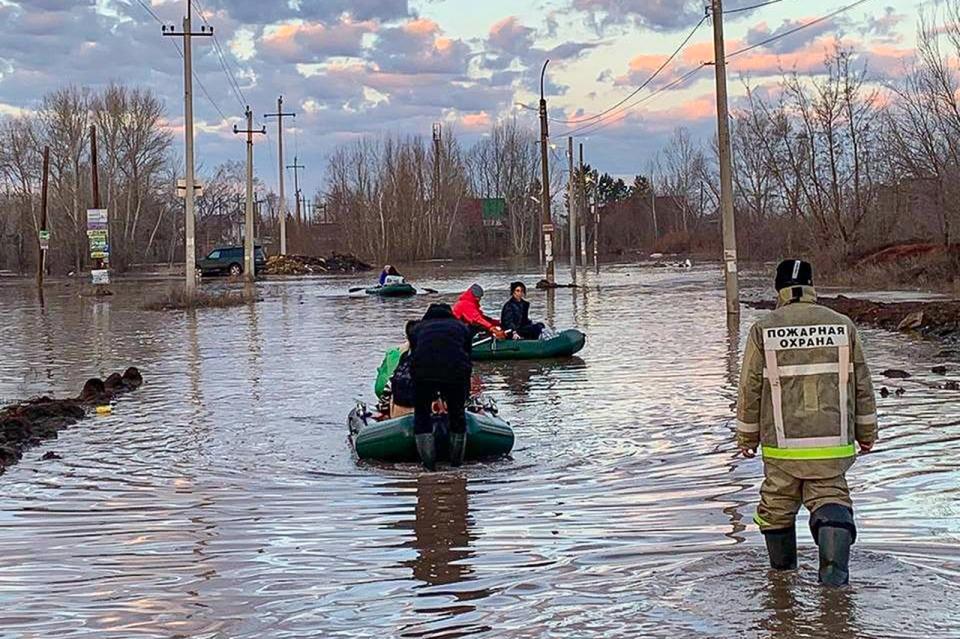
(228, 260)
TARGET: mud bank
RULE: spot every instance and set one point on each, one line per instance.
(28, 423)
(934, 319)
(308, 265)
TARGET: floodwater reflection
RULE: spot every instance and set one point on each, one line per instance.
(222, 498)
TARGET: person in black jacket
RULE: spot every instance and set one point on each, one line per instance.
(515, 315)
(440, 364)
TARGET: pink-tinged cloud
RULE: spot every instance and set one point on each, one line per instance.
(307, 42)
(476, 121)
(419, 46)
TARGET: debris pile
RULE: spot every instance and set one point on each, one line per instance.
(28, 423)
(308, 265)
(939, 319)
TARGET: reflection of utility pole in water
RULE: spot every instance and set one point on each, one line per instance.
(193, 359)
(551, 310)
(255, 350)
(442, 530)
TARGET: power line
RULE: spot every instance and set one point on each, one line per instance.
(596, 126)
(751, 7)
(640, 88)
(790, 32)
(180, 51)
(218, 48)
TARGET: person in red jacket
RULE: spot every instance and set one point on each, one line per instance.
(467, 310)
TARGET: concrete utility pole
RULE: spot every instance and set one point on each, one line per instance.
(283, 205)
(190, 252)
(42, 257)
(726, 166)
(249, 262)
(572, 212)
(582, 205)
(296, 184)
(546, 220)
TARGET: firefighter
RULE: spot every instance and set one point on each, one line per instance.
(805, 398)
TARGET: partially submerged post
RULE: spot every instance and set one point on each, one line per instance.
(249, 261)
(44, 235)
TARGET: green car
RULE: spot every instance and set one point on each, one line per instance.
(228, 260)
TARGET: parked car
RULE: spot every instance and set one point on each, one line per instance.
(228, 260)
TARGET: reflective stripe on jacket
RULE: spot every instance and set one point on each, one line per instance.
(805, 390)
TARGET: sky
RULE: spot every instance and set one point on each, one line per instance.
(353, 68)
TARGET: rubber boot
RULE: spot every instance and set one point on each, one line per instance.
(782, 548)
(834, 556)
(458, 447)
(427, 450)
(834, 531)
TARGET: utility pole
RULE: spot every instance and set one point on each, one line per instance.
(249, 262)
(283, 205)
(296, 184)
(546, 220)
(190, 252)
(572, 212)
(582, 205)
(726, 167)
(42, 257)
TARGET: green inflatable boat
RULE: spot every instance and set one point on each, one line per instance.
(391, 440)
(563, 344)
(393, 290)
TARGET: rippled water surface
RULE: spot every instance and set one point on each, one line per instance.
(222, 499)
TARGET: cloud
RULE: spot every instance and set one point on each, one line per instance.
(418, 46)
(795, 41)
(603, 16)
(304, 42)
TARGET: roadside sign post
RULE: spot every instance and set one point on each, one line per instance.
(98, 237)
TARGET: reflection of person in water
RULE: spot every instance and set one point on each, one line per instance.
(442, 529)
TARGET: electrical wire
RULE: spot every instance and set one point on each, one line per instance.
(176, 46)
(751, 7)
(218, 48)
(596, 126)
(801, 27)
(640, 88)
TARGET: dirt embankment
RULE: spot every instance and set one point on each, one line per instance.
(936, 319)
(28, 423)
(308, 265)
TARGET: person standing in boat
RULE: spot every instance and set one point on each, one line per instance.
(515, 315)
(440, 348)
(805, 397)
(467, 310)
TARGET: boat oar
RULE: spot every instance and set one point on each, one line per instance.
(356, 289)
(430, 291)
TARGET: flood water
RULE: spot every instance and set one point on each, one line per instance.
(222, 500)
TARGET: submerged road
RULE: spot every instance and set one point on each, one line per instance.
(222, 500)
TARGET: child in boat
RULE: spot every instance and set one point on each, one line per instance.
(394, 377)
(390, 275)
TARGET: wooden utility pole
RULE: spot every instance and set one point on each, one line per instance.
(546, 220)
(596, 234)
(249, 261)
(190, 252)
(726, 165)
(572, 212)
(42, 252)
(283, 205)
